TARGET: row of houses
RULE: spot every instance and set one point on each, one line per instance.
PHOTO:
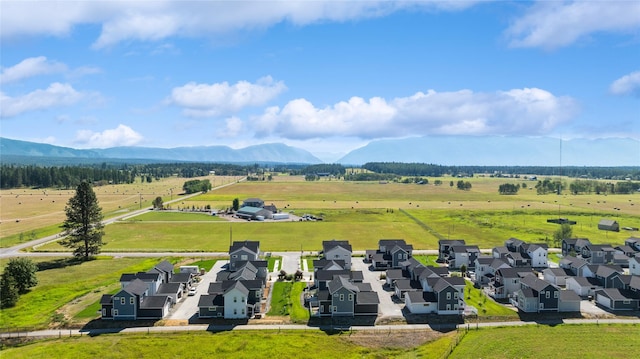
(424, 289)
(238, 291)
(539, 289)
(338, 291)
(146, 295)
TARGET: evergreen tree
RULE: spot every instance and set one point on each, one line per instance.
(23, 271)
(8, 291)
(83, 225)
(157, 203)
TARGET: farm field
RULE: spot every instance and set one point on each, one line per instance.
(363, 213)
(34, 213)
(575, 341)
(572, 341)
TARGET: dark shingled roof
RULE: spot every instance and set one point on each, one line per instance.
(367, 298)
(136, 286)
(155, 301)
(106, 299)
(253, 246)
(209, 300)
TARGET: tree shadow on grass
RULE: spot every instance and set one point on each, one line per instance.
(59, 263)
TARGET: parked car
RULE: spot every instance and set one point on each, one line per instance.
(192, 291)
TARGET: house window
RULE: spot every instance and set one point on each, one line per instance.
(122, 300)
(351, 297)
(455, 307)
(626, 301)
(244, 257)
(235, 299)
(334, 308)
(448, 295)
(131, 300)
(235, 311)
(448, 306)
(242, 299)
(548, 294)
(234, 256)
(213, 309)
(242, 312)
(114, 312)
(104, 312)
(555, 295)
(219, 314)
(455, 295)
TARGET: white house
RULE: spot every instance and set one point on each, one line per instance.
(538, 255)
(337, 250)
(235, 301)
(634, 265)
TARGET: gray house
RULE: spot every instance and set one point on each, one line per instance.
(243, 251)
(536, 295)
(390, 253)
(617, 299)
(337, 250)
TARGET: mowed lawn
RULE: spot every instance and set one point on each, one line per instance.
(60, 284)
(561, 341)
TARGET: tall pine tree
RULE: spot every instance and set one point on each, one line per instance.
(83, 226)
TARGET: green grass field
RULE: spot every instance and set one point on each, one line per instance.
(61, 285)
(566, 341)
(285, 300)
(486, 306)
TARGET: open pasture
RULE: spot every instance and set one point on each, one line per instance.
(566, 341)
(28, 213)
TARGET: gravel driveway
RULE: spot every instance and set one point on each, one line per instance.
(187, 307)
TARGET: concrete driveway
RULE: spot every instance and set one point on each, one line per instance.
(387, 308)
(187, 307)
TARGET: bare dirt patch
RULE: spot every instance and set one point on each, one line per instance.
(392, 339)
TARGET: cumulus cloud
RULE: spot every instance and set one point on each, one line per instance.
(553, 24)
(57, 94)
(627, 84)
(120, 136)
(29, 67)
(204, 100)
(234, 126)
(157, 20)
(519, 111)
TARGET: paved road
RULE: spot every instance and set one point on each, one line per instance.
(213, 328)
(387, 308)
(187, 307)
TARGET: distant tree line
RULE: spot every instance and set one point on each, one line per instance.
(508, 188)
(599, 187)
(334, 169)
(17, 176)
(433, 170)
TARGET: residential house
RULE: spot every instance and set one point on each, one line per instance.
(337, 250)
(617, 299)
(463, 256)
(243, 251)
(444, 248)
(421, 302)
(606, 274)
(450, 298)
(173, 290)
(583, 286)
(557, 276)
(568, 246)
(633, 242)
(390, 254)
(507, 281)
(634, 264)
(536, 295)
(151, 279)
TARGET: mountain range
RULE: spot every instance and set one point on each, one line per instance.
(443, 150)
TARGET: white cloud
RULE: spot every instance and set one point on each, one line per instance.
(29, 67)
(234, 126)
(204, 100)
(528, 111)
(120, 136)
(57, 94)
(553, 24)
(627, 84)
(158, 19)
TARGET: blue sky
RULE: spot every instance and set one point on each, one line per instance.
(326, 76)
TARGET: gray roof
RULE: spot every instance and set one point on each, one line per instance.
(106, 299)
(169, 288)
(165, 266)
(616, 294)
(328, 245)
(252, 246)
(209, 300)
(536, 283)
(569, 296)
(441, 284)
(395, 273)
(606, 271)
(341, 282)
(367, 298)
(586, 281)
(155, 301)
(136, 286)
(422, 297)
(180, 278)
(558, 272)
(486, 260)
(239, 286)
